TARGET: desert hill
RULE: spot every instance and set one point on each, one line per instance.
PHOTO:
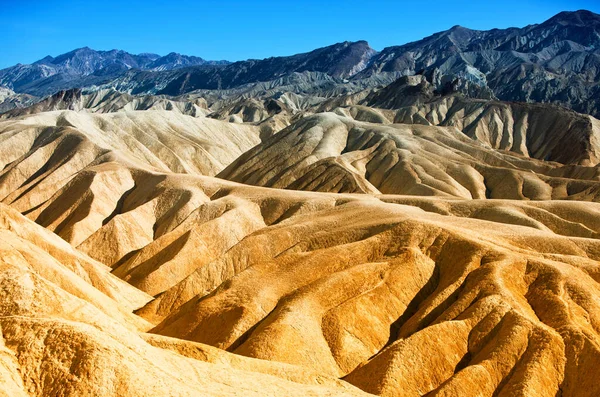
(534, 130)
(335, 153)
(419, 221)
(292, 235)
(152, 138)
(67, 329)
(108, 101)
(158, 278)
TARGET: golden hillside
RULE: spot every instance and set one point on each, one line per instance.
(167, 281)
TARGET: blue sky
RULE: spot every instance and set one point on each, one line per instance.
(236, 30)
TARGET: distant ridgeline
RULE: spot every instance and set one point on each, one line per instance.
(557, 61)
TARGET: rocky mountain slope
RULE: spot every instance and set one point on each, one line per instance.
(175, 74)
(334, 62)
(557, 61)
(85, 66)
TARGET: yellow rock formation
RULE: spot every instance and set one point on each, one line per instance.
(127, 268)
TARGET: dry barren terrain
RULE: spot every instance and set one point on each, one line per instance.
(394, 259)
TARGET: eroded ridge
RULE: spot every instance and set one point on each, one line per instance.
(314, 292)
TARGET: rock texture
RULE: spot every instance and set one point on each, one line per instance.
(108, 101)
(67, 329)
(336, 223)
(533, 130)
(10, 100)
(87, 66)
(556, 61)
(539, 131)
(402, 301)
(335, 153)
(168, 281)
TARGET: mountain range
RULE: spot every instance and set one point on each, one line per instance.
(85, 64)
(557, 61)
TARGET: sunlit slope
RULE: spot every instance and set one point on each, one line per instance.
(68, 329)
(433, 292)
(40, 154)
(333, 153)
(358, 286)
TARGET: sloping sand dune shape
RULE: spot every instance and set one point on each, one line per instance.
(128, 269)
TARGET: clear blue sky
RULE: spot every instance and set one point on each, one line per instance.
(235, 30)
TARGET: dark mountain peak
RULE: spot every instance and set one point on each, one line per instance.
(174, 60)
(575, 18)
(457, 35)
(45, 60)
(84, 50)
(461, 33)
(362, 44)
(339, 60)
(149, 55)
(76, 53)
(357, 48)
(359, 43)
(175, 56)
(113, 52)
